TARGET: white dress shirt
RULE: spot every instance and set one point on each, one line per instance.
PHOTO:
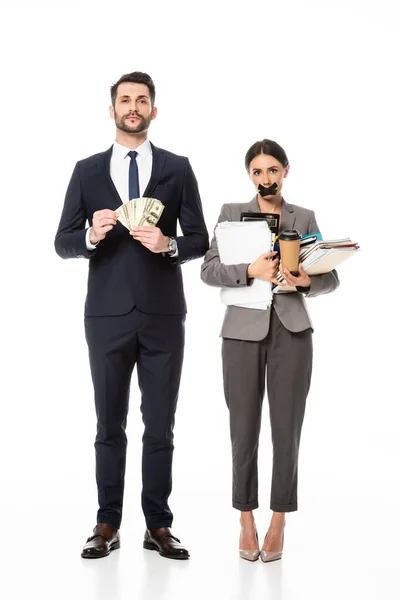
(119, 168)
(119, 171)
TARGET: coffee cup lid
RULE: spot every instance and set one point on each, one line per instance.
(289, 235)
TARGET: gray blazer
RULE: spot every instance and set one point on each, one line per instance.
(253, 325)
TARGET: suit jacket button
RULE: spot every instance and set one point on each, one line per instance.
(237, 280)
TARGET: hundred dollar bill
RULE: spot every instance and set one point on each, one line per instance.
(140, 211)
(153, 212)
(126, 214)
(121, 216)
(132, 206)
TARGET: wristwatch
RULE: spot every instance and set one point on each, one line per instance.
(172, 246)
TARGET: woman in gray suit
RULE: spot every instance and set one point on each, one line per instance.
(273, 344)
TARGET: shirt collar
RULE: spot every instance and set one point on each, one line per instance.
(121, 152)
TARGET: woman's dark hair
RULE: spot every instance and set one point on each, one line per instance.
(135, 77)
(266, 147)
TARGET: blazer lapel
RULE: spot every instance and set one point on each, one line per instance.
(254, 206)
(288, 216)
(103, 167)
(156, 170)
(104, 173)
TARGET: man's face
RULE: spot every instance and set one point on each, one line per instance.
(133, 111)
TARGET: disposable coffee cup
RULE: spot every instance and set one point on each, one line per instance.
(289, 247)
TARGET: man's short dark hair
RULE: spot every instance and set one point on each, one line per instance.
(135, 77)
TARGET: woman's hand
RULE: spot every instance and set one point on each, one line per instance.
(302, 280)
(264, 269)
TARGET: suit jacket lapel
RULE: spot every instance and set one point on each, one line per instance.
(254, 206)
(156, 170)
(288, 216)
(104, 174)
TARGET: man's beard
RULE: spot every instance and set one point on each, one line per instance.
(142, 125)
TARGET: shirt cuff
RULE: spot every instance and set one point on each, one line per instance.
(89, 245)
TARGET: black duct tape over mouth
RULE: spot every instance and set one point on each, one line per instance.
(268, 191)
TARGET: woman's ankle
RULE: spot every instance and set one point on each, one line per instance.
(278, 520)
(247, 519)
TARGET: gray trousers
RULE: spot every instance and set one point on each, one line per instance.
(286, 357)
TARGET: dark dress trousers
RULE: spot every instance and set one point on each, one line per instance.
(134, 315)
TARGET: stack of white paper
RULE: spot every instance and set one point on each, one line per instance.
(242, 242)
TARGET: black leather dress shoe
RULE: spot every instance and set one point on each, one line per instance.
(104, 539)
(164, 543)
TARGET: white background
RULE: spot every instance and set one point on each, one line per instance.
(320, 78)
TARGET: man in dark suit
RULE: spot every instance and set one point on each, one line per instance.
(135, 305)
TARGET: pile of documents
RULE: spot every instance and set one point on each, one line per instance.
(140, 211)
(320, 256)
(242, 242)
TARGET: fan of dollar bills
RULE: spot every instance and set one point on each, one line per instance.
(140, 211)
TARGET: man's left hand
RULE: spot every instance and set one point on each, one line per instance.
(302, 280)
(151, 238)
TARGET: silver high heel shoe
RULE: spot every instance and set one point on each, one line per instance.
(267, 556)
(251, 555)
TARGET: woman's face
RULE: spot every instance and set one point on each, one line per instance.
(266, 169)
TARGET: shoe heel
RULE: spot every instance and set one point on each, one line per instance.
(149, 546)
(115, 546)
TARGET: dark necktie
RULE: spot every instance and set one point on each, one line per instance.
(133, 176)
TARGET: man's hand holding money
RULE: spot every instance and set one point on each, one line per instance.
(151, 237)
(103, 222)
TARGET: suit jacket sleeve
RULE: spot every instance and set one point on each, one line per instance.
(194, 241)
(70, 239)
(320, 284)
(213, 272)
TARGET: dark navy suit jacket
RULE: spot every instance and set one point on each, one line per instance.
(122, 272)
